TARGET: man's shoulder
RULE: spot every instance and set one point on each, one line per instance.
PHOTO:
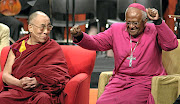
(54, 42)
(4, 30)
(150, 29)
(150, 26)
(3, 26)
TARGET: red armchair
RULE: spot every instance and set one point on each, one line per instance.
(80, 63)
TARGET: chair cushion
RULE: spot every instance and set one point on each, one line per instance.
(165, 89)
(171, 60)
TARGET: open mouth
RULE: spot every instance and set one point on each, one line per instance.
(133, 29)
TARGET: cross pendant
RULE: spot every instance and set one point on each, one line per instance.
(130, 58)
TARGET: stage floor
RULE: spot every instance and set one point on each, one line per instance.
(102, 63)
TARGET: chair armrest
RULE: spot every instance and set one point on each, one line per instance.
(77, 88)
(165, 89)
(103, 81)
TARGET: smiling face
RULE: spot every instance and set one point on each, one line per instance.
(39, 27)
(134, 22)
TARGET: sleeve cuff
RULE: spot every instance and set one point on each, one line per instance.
(78, 38)
(157, 22)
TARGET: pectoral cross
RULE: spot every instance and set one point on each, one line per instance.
(130, 58)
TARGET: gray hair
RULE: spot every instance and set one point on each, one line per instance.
(144, 14)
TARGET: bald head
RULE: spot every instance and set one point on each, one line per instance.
(137, 12)
(34, 15)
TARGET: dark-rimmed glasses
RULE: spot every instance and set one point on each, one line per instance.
(133, 23)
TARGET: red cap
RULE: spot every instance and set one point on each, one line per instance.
(138, 6)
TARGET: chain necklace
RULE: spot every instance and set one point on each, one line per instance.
(131, 58)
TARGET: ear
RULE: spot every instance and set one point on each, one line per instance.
(145, 21)
(30, 28)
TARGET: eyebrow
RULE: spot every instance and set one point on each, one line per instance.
(45, 24)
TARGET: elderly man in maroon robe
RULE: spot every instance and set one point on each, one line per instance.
(36, 71)
(137, 47)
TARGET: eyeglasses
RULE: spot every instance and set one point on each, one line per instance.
(43, 27)
(133, 23)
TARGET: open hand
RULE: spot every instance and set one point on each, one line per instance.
(152, 13)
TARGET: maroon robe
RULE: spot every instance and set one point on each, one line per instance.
(47, 64)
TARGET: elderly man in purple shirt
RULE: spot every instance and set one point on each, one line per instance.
(137, 47)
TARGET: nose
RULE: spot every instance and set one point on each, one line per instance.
(131, 25)
(46, 31)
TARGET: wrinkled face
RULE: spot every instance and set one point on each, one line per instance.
(134, 23)
(40, 28)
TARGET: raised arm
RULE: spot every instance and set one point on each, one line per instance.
(100, 42)
(167, 40)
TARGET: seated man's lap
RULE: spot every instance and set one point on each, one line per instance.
(12, 96)
(119, 92)
(41, 98)
(7, 97)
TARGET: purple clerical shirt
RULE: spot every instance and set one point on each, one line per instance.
(147, 53)
(148, 63)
